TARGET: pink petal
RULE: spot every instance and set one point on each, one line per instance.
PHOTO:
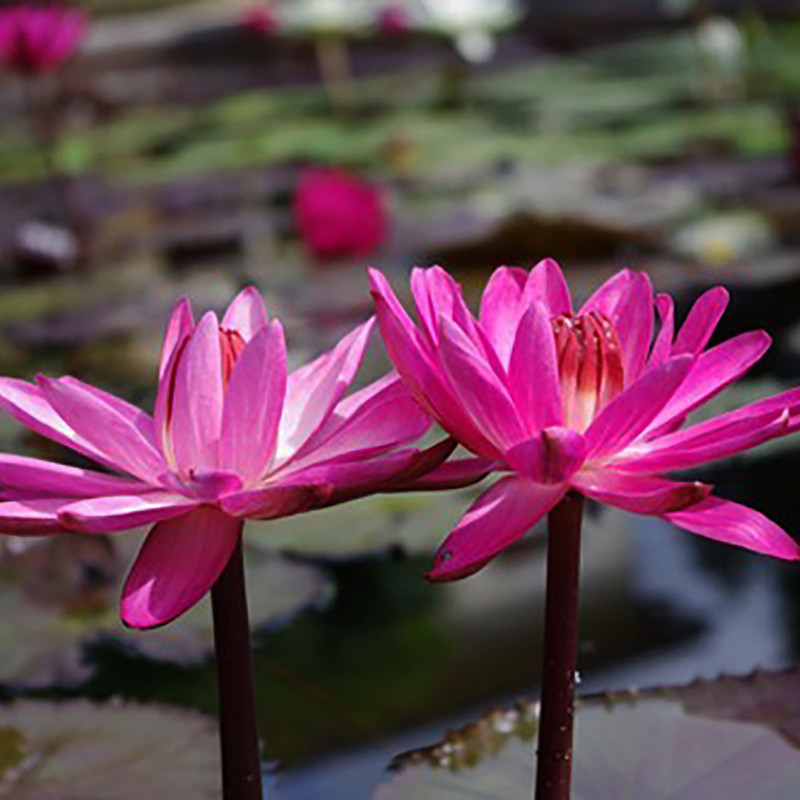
(108, 428)
(247, 314)
(712, 372)
(179, 328)
(533, 377)
(26, 403)
(662, 348)
(717, 438)
(497, 519)
(391, 473)
(630, 412)
(33, 517)
(701, 322)
(640, 494)
(366, 424)
(197, 401)
(608, 297)
(633, 321)
(122, 512)
(273, 502)
(546, 285)
(732, 523)
(553, 455)
(254, 404)
(451, 475)
(500, 308)
(313, 391)
(435, 294)
(35, 477)
(421, 371)
(480, 392)
(179, 562)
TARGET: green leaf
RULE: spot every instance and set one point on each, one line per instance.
(97, 752)
(729, 738)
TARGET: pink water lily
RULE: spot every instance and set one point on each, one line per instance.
(593, 400)
(232, 437)
(35, 40)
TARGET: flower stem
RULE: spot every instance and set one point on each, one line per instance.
(334, 65)
(241, 760)
(554, 763)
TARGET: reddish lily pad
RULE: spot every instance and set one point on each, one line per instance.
(77, 749)
(62, 592)
(733, 737)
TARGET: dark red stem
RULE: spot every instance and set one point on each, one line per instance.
(554, 760)
(238, 727)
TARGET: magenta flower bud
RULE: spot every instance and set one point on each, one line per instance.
(36, 40)
(339, 215)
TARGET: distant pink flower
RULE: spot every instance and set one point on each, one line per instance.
(261, 20)
(232, 437)
(582, 401)
(394, 20)
(35, 40)
(339, 215)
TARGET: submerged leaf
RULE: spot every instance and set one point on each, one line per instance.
(60, 593)
(733, 737)
(66, 751)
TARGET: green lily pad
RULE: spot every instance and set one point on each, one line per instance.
(415, 523)
(733, 737)
(65, 751)
(63, 592)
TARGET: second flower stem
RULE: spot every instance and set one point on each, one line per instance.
(554, 760)
(241, 758)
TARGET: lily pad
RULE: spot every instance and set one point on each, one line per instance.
(61, 751)
(63, 592)
(711, 740)
(414, 523)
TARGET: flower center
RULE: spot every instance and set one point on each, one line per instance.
(589, 365)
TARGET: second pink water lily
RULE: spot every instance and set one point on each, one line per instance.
(233, 436)
(593, 400)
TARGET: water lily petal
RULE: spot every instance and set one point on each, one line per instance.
(452, 475)
(629, 414)
(701, 321)
(36, 477)
(32, 517)
(247, 314)
(122, 512)
(179, 328)
(640, 494)
(662, 348)
(479, 390)
(500, 308)
(197, 401)
(497, 519)
(546, 285)
(27, 404)
(713, 371)
(106, 426)
(179, 562)
(273, 502)
(313, 391)
(725, 521)
(533, 377)
(254, 404)
(553, 455)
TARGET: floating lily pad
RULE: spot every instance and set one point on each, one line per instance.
(65, 751)
(733, 737)
(63, 592)
(415, 523)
